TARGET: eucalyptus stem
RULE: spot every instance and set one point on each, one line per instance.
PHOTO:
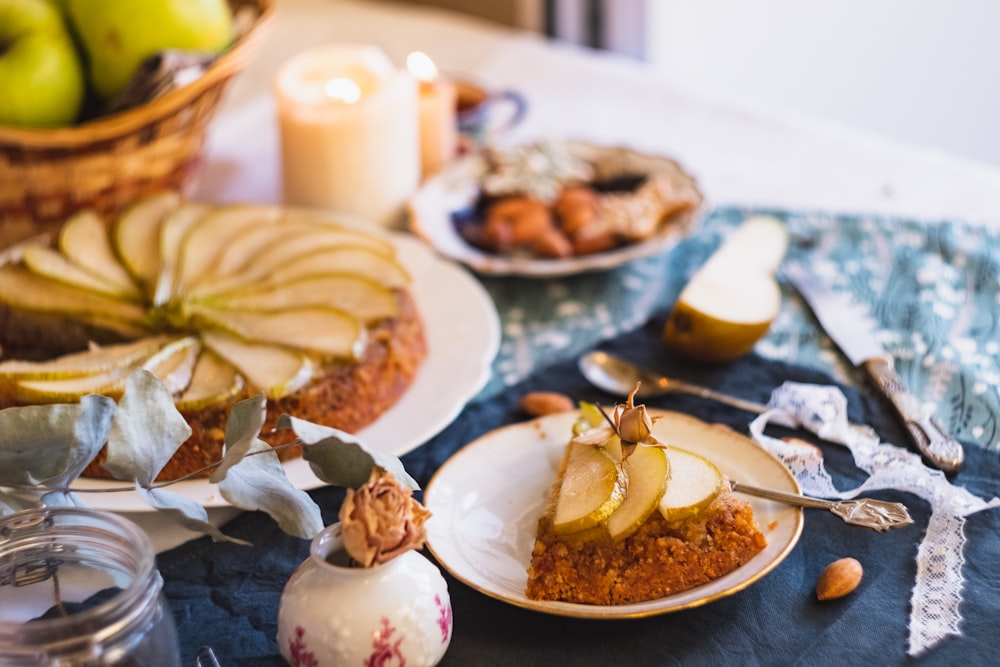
(155, 485)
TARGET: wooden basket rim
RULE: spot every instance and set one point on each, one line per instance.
(126, 122)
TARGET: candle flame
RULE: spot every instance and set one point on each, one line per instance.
(343, 90)
(421, 66)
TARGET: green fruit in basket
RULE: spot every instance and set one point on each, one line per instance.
(41, 77)
(118, 36)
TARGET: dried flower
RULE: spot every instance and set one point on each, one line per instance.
(381, 520)
(631, 423)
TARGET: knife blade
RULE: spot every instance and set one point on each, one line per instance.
(851, 327)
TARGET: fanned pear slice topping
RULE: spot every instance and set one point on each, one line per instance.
(94, 361)
(362, 298)
(325, 331)
(275, 370)
(213, 381)
(357, 260)
(173, 364)
(648, 472)
(694, 484)
(291, 247)
(173, 230)
(46, 262)
(84, 240)
(593, 487)
(136, 237)
(19, 288)
(205, 240)
(110, 383)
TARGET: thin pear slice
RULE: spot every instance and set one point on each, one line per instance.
(275, 370)
(94, 361)
(648, 471)
(19, 288)
(323, 330)
(593, 487)
(238, 256)
(84, 240)
(292, 247)
(70, 390)
(172, 232)
(205, 240)
(213, 381)
(357, 260)
(49, 263)
(136, 237)
(173, 364)
(362, 298)
(694, 483)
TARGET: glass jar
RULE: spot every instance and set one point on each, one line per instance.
(79, 587)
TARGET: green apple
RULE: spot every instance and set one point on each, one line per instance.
(42, 82)
(119, 35)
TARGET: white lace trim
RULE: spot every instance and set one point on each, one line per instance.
(937, 592)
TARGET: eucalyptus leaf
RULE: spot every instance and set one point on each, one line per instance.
(49, 445)
(339, 458)
(258, 482)
(242, 430)
(184, 511)
(63, 499)
(146, 432)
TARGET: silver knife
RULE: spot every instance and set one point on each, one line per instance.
(851, 329)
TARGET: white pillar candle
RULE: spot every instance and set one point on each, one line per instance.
(349, 132)
(438, 126)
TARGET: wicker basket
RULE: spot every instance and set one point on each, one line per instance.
(46, 175)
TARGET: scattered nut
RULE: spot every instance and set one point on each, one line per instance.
(541, 403)
(838, 579)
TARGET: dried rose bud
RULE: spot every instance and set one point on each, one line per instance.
(381, 520)
(634, 424)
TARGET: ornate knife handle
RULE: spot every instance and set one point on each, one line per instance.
(936, 445)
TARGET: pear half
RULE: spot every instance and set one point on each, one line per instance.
(731, 301)
(694, 483)
(593, 487)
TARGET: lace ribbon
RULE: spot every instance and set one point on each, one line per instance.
(937, 592)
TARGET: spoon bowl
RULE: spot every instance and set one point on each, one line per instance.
(618, 376)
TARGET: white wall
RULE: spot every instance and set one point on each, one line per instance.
(924, 71)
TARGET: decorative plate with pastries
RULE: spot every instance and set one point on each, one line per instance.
(553, 208)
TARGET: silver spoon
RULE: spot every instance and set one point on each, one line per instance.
(880, 515)
(618, 376)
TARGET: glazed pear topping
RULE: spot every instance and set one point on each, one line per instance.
(290, 290)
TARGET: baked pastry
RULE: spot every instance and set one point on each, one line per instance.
(221, 302)
(561, 199)
(620, 530)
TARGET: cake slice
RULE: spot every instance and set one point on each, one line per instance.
(612, 534)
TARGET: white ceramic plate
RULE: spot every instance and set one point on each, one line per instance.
(486, 500)
(456, 188)
(463, 336)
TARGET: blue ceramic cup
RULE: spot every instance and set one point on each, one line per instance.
(483, 114)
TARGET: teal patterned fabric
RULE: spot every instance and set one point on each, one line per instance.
(932, 287)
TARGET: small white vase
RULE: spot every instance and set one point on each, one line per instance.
(391, 614)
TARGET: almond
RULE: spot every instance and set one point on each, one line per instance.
(838, 579)
(541, 403)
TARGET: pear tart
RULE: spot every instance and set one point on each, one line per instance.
(631, 519)
(220, 302)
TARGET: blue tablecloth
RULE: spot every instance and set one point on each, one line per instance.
(227, 596)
